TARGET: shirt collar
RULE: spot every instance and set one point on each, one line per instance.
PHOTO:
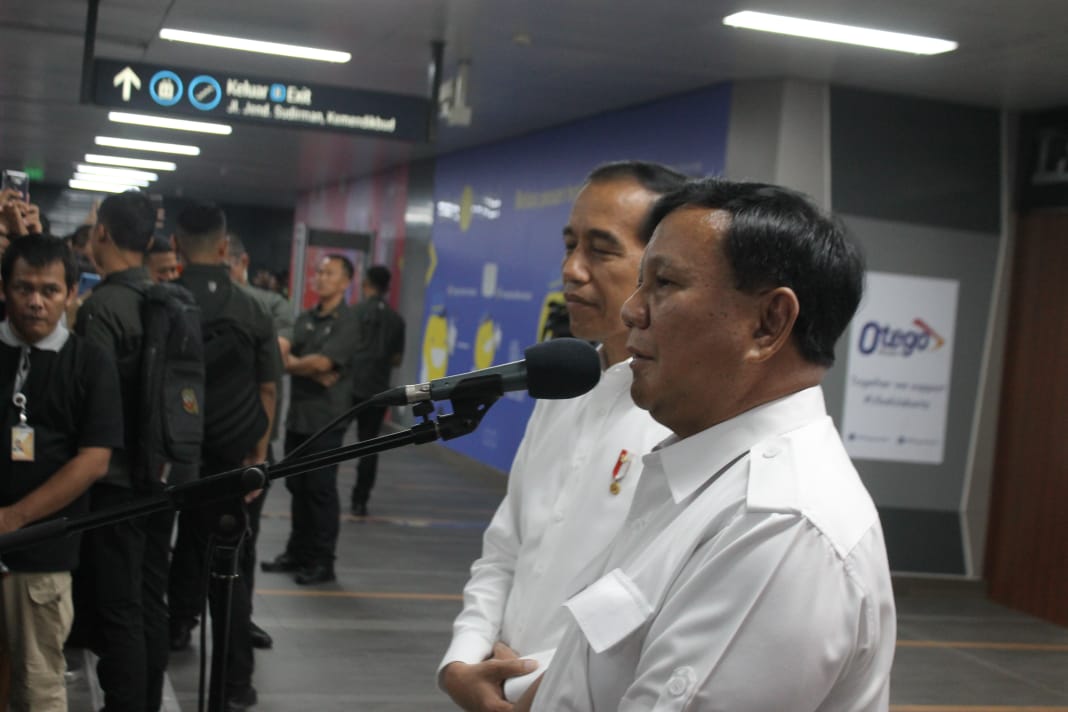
(688, 463)
(132, 275)
(52, 342)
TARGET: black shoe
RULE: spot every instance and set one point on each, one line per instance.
(281, 564)
(260, 638)
(359, 509)
(181, 634)
(316, 573)
(241, 701)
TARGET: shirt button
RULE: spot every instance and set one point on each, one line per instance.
(539, 569)
(772, 451)
(558, 515)
(680, 681)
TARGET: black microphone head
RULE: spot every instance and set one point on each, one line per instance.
(561, 368)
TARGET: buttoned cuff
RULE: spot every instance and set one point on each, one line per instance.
(469, 648)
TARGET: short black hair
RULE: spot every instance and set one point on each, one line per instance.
(39, 251)
(80, 237)
(778, 237)
(379, 276)
(199, 225)
(346, 264)
(654, 177)
(130, 219)
(159, 245)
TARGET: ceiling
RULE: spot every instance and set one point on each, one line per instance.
(574, 58)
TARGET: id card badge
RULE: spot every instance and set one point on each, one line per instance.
(22, 443)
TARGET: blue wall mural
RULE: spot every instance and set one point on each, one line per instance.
(496, 242)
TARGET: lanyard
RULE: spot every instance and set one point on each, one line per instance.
(23, 372)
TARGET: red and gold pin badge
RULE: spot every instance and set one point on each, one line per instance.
(619, 471)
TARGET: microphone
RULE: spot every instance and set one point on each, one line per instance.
(561, 368)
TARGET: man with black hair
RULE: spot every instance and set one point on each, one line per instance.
(120, 591)
(751, 573)
(380, 348)
(320, 391)
(242, 364)
(577, 467)
(161, 260)
(59, 395)
(281, 312)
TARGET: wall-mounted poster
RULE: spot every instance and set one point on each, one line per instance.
(898, 374)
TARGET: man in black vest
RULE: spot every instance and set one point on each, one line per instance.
(58, 393)
(242, 364)
(121, 587)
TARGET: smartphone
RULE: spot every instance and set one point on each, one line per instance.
(17, 180)
(86, 282)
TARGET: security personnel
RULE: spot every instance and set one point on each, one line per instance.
(60, 423)
(121, 586)
(380, 349)
(320, 390)
(242, 363)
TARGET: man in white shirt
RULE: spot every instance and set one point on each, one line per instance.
(574, 475)
(751, 574)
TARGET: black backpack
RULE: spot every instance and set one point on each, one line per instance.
(171, 394)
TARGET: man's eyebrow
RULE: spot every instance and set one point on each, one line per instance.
(606, 236)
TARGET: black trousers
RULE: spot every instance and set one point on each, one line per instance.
(314, 505)
(120, 592)
(186, 592)
(368, 425)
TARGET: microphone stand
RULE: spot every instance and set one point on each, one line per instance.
(470, 401)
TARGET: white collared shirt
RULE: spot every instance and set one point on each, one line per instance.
(53, 342)
(751, 575)
(558, 515)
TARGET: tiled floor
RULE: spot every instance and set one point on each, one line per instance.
(372, 640)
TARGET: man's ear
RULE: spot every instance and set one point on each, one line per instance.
(776, 315)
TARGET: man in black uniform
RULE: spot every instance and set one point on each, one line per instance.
(242, 363)
(58, 395)
(380, 348)
(320, 390)
(120, 589)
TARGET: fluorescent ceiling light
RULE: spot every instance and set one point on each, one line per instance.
(157, 146)
(131, 162)
(116, 172)
(99, 187)
(165, 123)
(246, 45)
(93, 178)
(832, 32)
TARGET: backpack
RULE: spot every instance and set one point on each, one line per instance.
(171, 394)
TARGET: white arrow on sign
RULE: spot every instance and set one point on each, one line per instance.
(127, 78)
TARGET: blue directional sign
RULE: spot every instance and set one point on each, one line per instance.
(231, 97)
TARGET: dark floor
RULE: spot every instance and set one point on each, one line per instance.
(372, 641)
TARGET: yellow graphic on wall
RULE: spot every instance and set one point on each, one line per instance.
(487, 339)
(438, 340)
(467, 202)
(554, 302)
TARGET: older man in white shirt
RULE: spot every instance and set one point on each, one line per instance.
(751, 574)
(574, 475)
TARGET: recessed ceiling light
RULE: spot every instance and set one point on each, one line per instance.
(116, 172)
(832, 32)
(247, 45)
(157, 146)
(131, 162)
(166, 123)
(115, 180)
(97, 187)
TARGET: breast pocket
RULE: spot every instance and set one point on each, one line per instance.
(609, 610)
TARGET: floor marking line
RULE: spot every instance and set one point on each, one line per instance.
(983, 645)
(399, 596)
(973, 708)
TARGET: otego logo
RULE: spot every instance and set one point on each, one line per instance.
(890, 341)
